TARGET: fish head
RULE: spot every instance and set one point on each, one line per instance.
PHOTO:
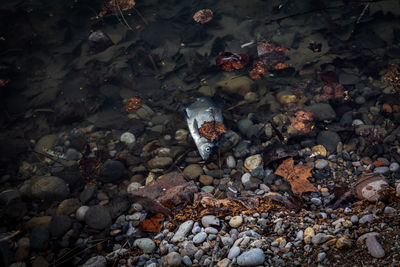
(206, 148)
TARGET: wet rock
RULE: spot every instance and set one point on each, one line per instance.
(329, 140)
(366, 218)
(319, 238)
(371, 187)
(46, 143)
(81, 212)
(40, 262)
(96, 261)
(253, 162)
(382, 170)
(236, 221)
(8, 196)
(244, 125)
(68, 206)
(160, 162)
(39, 238)
(321, 256)
(206, 179)
(98, 217)
(111, 171)
(210, 220)
(22, 252)
(128, 139)
(237, 86)
(182, 231)
(98, 41)
(59, 225)
(49, 188)
(321, 164)
(230, 162)
(344, 242)
(348, 78)
(192, 171)
(322, 111)
(223, 263)
(253, 257)
(43, 221)
(145, 244)
(174, 259)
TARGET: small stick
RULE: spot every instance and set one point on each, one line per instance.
(10, 236)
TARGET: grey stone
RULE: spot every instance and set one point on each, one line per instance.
(182, 231)
(174, 259)
(319, 238)
(233, 252)
(210, 220)
(321, 164)
(366, 218)
(382, 170)
(253, 257)
(199, 238)
(111, 171)
(329, 140)
(39, 237)
(187, 261)
(322, 111)
(96, 261)
(348, 78)
(98, 217)
(145, 244)
(160, 162)
(321, 256)
(59, 225)
(49, 188)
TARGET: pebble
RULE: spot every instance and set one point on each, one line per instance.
(49, 188)
(174, 259)
(366, 218)
(374, 248)
(343, 242)
(206, 179)
(316, 201)
(233, 252)
(253, 162)
(382, 170)
(187, 261)
(210, 220)
(329, 140)
(199, 238)
(192, 171)
(253, 257)
(111, 171)
(181, 135)
(98, 217)
(321, 164)
(223, 263)
(322, 111)
(211, 230)
(398, 189)
(160, 162)
(68, 206)
(354, 219)
(230, 162)
(39, 237)
(182, 231)
(236, 221)
(128, 139)
(319, 238)
(389, 210)
(394, 166)
(59, 225)
(145, 244)
(321, 256)
(245, 178)
(244, 125)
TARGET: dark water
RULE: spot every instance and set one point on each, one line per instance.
(54, 82)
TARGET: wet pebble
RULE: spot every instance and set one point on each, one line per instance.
(96, 261)
(182, 231)
(145, 244)
(59, 225)
(98, 217)
(49, 188)
(160, 162)
(210, 220)
(236, 221)
(230, 162)
(329, 140)
(253, 162)
(374, 247)
(199, 238)
(111, 171)
(321, 164)
(174, 259)
(366, 218)
(321, 256)
(192, 171)
(382, 170)
(187, 261)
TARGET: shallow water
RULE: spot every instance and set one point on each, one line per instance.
(53, 82)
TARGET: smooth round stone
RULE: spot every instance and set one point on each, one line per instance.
(187, 261)
(211, 230)
(81, 212)
(354, 219)
(111, 171)
(253, 162)
(329, 140)
(210, 220)
(133, 187)
(321, 164)
(199, 238)
(245, 178)
(360, 100)
(394, 166)
(72, 154)
(181, 135)
(236, 221)
(322, 111)
(316, 201)
(244, 125)
(145, 244)
(49, 188)
(206, 179)
(253, 257)
(357, 122)
(366, 218)
(193, 171)
(230, 162)
(128, 139)
(174, 259)
(233, 252)
(59, 225)
(98, 217)
(321, 256)
(182, 231)
(160, 162)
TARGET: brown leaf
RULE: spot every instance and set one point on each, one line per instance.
(230, 62)
(114, 6)
(153, 224)
(296, 176)
(271, 54)
(212, 129)
(203, 16)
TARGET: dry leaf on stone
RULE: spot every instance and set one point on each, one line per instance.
(296, 176)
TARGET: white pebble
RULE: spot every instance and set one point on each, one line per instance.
(128, 138)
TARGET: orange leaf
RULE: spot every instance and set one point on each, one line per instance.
(296, 176)
(153, 224)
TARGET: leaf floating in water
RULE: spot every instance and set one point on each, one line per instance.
(212, 130)
(332, 91)
(281, 66)
(153, 224)
(114, 6)
(203, 16)
(133, 104)
(303, 121)
(258, 70)
(230, 62)
(296, 176)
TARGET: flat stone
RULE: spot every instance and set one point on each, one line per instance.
(199, 238)
(160, 162)
(233, 252)
(322, 111)
(253, 162)
(321, 164)
(192, 171)
(210, 220)
(49, 188)
(174, 259)
(145, 244)
(236, 221)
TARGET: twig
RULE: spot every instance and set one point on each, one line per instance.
(122, 16)
(10, 236)
(362, 13)
(140, 15)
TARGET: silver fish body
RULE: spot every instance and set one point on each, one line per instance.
(203, 109)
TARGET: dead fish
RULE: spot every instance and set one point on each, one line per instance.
(201, 110)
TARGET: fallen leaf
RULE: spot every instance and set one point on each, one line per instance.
(230, 62)
(114, 6)
(296, 176)
(258, 70)
(153, 224)
(212, 130)
(203, 16)
(271, 54)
